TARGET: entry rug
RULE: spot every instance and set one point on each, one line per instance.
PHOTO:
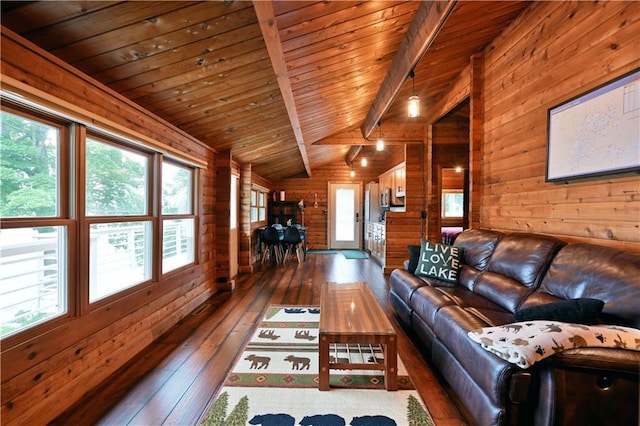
(275, 381)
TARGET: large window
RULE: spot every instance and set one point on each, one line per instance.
(178, 221)
(116, 186)
(83, 219)
(33, 232)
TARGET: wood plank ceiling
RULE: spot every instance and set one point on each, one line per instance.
(206, 67)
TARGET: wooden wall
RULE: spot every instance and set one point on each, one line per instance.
(45, 374)
(552, 52)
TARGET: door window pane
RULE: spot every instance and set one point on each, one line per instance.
(345, 214)
(116, 180)
(120, 257)
(32, 276)
(176, 189)
(177, 243)
(28, 168)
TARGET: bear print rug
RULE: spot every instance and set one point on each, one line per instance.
(275, 381)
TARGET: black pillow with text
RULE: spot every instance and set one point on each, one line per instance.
(439, 261)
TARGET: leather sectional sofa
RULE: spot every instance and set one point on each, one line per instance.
(501, 275)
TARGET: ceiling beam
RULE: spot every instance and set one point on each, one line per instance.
(269, 28)
(360, 141)
(429, 18)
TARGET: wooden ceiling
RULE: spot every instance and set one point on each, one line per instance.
(286, 86)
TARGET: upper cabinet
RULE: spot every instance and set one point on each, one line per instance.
(395, 179)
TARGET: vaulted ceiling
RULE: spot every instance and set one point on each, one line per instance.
(287, 86)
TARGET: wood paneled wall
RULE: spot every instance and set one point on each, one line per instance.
(45, 375)
(552, 52)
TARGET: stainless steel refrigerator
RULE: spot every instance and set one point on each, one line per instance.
(372, 203)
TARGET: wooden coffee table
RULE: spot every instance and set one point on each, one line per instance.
(350, 313)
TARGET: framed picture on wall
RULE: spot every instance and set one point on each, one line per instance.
(597, 132)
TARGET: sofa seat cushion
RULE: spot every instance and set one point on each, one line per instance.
(427, 301)
(490, 372)
(404, 283)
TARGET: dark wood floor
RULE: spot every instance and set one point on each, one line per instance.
(174, 380)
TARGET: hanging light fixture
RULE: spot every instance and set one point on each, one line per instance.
(352, 173)
(414, 100)
(363, 162)
(380, 142)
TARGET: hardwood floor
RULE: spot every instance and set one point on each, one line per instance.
(174, 379)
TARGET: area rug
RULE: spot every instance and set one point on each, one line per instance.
(354, 254)
(275, 381)
(322, 251)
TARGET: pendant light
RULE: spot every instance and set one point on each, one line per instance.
(352, 173)
(380, 142)
(414, 100)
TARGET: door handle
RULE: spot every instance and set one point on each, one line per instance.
(357, 217)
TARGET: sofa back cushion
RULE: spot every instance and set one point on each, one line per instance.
(516, 268)
(477, 246)
(584, 270)
(524, 257)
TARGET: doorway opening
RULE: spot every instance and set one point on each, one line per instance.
(344, 216)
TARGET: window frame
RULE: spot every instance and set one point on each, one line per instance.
(71, 215)
(258, 204)
(193, 214)
(445, 193)
(62, 218)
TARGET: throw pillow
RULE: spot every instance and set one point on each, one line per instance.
(439, 261)
(579, 311)
(414, 256)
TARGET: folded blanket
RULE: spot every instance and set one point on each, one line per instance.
(525, 343)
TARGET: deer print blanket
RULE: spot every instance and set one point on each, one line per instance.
(525, 343)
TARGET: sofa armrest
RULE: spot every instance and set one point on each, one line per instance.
(618, 360)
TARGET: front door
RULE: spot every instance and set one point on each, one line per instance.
(345, 221)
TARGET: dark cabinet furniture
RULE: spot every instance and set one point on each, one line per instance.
(283, 211)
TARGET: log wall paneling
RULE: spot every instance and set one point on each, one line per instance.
(223, 221)
(245, 252)
(552, 52)
(45, 375)
(476, 141)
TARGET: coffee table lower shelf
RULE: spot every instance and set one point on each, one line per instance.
(389, 364)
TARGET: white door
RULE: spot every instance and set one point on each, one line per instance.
(345, 218)
(233, 225)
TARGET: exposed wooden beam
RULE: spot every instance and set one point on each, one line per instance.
(429, 18)
(352, 154)
(360, 141)
(267, 21)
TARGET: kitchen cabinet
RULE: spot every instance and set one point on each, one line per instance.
(395, 179)
(376, 243)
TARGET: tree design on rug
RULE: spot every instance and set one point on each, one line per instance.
(416, 414)
(218, 413)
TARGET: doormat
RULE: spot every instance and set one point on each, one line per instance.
(321, 252)
(354, 254)
(275, 381)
